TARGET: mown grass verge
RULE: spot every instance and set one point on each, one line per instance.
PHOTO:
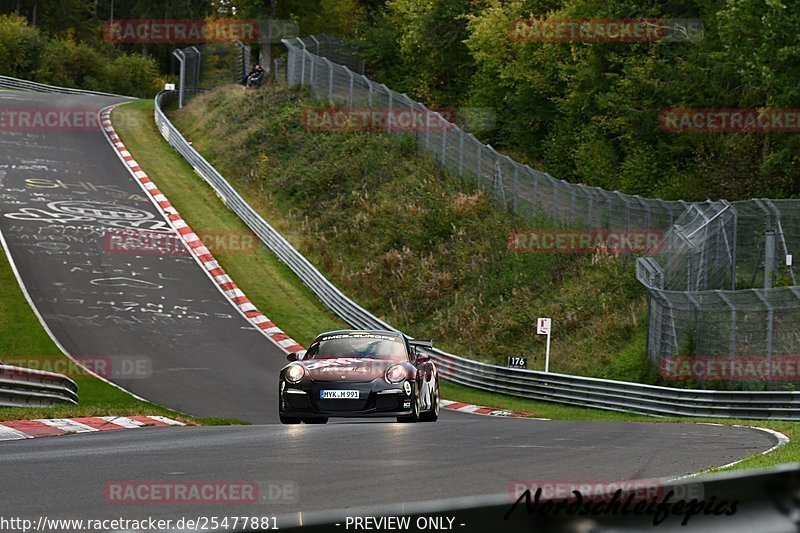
(23, 339)
(134, 123)
(269, 283)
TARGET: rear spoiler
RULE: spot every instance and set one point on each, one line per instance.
(421, 343)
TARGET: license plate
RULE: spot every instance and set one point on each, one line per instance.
(338, 395)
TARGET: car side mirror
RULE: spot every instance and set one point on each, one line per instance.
(292, 357)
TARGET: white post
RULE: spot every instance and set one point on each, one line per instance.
(547, 354)
(543, 327)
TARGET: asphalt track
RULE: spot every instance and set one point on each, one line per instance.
(170, 335)
(207, 360)
(354, 463)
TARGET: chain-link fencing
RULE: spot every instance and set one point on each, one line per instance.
(720, 285)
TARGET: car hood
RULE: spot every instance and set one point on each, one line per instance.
(347, 369)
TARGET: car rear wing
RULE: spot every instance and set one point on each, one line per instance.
(420, 343)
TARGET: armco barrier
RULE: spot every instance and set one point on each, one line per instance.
(25, 387)
(559, 388)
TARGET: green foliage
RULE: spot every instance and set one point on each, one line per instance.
(26, 53)
(67, 63)
(20, 46)
(429, 39)
(589, 112)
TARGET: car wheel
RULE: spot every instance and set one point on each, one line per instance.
(316, 420)
(414, 416)
(290, 420)
(433, 414)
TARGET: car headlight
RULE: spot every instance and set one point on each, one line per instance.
(396, 373)
(295, 373)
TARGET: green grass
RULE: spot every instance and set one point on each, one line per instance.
(266, 281)
(22, 339)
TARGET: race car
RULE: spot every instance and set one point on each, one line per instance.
(360, 373)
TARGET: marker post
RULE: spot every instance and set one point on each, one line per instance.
(543, 328)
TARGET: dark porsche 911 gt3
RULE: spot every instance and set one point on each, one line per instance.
(359, 373)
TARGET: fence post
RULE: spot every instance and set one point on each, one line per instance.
(330, 78)
(303, 65)
(388, 111)
(516, 183)
(350, 89)
(590, 209)
(480, 166)
(461, 152)
(369, 96)
(178, 53)
(770, 325)
(445, 127)
(197, 69)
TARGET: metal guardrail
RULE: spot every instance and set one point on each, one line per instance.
(618, 395)
(559, 388)
(15, 83)
(26, 387)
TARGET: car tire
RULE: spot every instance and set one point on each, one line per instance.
(414, 416)
(433, 414)
(316, 420)
(290, 420)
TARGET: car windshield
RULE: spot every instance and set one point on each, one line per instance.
(355, 345)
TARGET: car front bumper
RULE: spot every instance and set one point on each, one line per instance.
(376, 399)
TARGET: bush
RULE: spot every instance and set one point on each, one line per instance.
(133, 75)
(20, 46)
(70, 64)
(26, 53)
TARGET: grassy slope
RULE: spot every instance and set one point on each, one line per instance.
(417, 247)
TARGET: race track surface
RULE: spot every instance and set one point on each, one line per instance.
(63, 195)
(60, 194)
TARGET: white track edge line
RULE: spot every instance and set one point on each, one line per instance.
(47, 328)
